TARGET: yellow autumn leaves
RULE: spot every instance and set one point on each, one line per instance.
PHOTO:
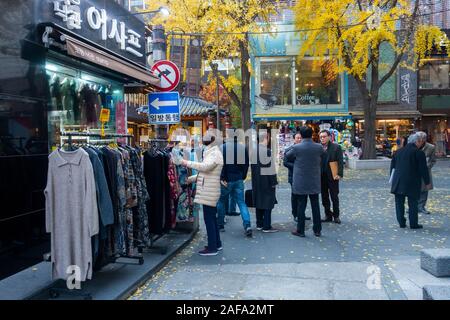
(352, 31)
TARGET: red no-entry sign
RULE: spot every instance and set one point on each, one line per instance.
(169, 74)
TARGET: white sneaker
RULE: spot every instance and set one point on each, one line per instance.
(271, 230)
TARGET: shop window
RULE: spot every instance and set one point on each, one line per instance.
(76, 99)
(313, 82)
(389, 130)
(435, 74)
(275, 82)
(317, 82)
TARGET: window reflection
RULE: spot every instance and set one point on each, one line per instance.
(317, 82)
(22, 127)
(276, 83)
(435, 74)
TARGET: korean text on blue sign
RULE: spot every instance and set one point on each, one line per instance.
(164, 108)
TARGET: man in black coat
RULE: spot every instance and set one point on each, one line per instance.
(330, 184)
(410, 168)
(290, 165)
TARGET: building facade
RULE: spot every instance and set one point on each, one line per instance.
(61, 62)
(434, 99)
(284, 88)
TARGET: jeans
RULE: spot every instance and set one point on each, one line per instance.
(301, 202)
(212, 229)
(400, 210)
(236, 190)
(230, 206)
(330, 189)
(264, 218)
(423, 201)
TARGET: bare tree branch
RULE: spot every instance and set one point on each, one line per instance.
(231, 92)
(359, 5)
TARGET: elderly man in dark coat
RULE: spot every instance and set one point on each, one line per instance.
(264, 182)
(430, 155)
(408, 169)
(307, 157)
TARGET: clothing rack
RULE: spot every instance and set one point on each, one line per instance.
(71, 134)
(153, 143)
(55, 291)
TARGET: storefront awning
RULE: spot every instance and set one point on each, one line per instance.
(410, 114)
(302, 116)
(79, 49)
(86, 50)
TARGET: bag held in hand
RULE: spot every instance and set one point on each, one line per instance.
(249, 198)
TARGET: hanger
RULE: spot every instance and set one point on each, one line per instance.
(69, 146)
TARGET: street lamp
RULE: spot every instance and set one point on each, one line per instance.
(215, 67)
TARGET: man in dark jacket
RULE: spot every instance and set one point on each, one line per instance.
(307, 157)
(290, 166)
(410, 168)
(234, 172)
(264, 182)
(330, 183)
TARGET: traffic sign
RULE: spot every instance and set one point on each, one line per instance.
(164, 108)
(169, 74)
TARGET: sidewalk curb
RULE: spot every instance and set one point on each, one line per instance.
(133, 287)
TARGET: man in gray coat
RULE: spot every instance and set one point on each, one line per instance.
(307, 157)
(290, 166)
(430, 154)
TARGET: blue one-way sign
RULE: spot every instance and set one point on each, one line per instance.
(163, 108)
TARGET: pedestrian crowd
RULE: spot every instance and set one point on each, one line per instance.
(313, 169)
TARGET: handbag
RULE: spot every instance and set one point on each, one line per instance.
(249, 198)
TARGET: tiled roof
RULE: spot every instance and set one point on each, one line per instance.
(191, 106)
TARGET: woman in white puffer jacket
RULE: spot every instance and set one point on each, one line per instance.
(208, 191)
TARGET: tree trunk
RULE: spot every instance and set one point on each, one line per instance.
(245, 84)
(370, 115)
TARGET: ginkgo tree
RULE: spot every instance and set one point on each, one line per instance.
(353, 33)
(224, 26)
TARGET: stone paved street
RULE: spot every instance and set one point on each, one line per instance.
(342, 264)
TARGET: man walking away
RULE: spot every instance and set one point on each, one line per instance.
(234, 172)
(264, 182)
(430, 155)
(307, 157)
(330, 179)
(410, 167)
(290, 166)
